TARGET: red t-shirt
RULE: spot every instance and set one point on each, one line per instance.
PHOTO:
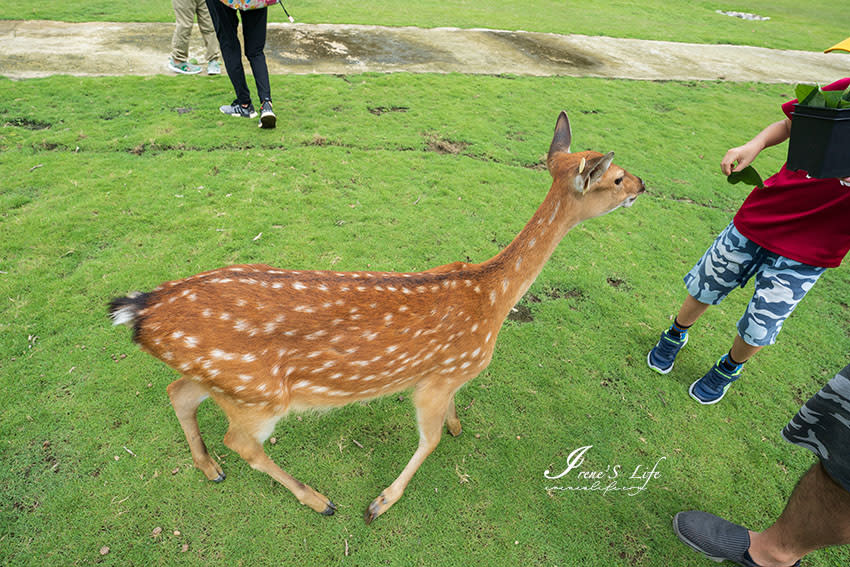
(799, 217)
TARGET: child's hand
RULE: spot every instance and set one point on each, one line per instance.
(742, 156)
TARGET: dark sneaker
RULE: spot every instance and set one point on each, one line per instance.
(267, 117)
(714, 537)
(663, 354)
(711, 388)
(238, 110)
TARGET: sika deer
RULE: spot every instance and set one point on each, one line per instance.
(262, 341)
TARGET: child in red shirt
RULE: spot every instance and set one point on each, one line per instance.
(785, 235)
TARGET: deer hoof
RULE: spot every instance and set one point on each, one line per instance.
(370, 515)
(375, 509)
(329, 511)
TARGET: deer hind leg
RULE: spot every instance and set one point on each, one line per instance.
(246, 435)
(431, 410)
(186, 395)
(452, 422)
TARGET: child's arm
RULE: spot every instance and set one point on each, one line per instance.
(744, 155)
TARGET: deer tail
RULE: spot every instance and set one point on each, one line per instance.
(126, 310)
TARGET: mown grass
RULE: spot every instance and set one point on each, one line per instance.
(813, 27)
(116, 184)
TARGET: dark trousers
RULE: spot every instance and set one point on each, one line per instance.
(226, 22)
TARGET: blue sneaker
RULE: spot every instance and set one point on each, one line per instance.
(711, 388)
(663, 354)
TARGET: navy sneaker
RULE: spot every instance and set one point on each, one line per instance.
(267, 117)
(238, 110)
(711, 388)
(663, 354)
(714, 537)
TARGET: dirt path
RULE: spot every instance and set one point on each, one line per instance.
(42, 48)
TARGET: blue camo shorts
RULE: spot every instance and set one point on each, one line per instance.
(780, 283)
(823, 426)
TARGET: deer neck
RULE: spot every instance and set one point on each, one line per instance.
(515, 268)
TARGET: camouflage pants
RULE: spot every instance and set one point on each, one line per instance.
(780, 283)
(823, 426)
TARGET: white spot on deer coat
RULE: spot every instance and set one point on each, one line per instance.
(220, 354)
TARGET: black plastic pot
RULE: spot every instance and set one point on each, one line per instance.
(820, 141)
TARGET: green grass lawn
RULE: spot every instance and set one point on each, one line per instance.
(109, 185)
(116, 184)
(812, 26)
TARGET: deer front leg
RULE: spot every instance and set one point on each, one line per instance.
(243, 438)
(186, 395)
(431, 408)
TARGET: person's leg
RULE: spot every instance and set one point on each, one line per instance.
(207, 31)
(741, 352)
(780, 285)
(720, 270)
(184, 16)
(818, 512)
(254, 34)
(690, 312)
(817, 515)
(226, 23)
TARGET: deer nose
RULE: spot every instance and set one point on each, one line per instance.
(642, 186)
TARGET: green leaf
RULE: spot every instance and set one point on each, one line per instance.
(748, 175)
(832, 98)
(810, 95)
(803, 92)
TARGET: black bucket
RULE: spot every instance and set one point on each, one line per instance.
(820, 141)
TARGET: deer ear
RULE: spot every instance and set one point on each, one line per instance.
(562, 139)
(592, 171)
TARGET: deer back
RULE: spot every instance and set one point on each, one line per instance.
(281, 338)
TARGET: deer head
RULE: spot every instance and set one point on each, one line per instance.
(597, 186)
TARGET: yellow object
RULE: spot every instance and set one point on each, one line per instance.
(842, 46)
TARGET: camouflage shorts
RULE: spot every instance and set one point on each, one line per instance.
(823, 426)
(780, 283)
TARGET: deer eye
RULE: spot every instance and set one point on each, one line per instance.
(618, 180)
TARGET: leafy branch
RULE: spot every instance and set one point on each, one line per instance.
(815, 96)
